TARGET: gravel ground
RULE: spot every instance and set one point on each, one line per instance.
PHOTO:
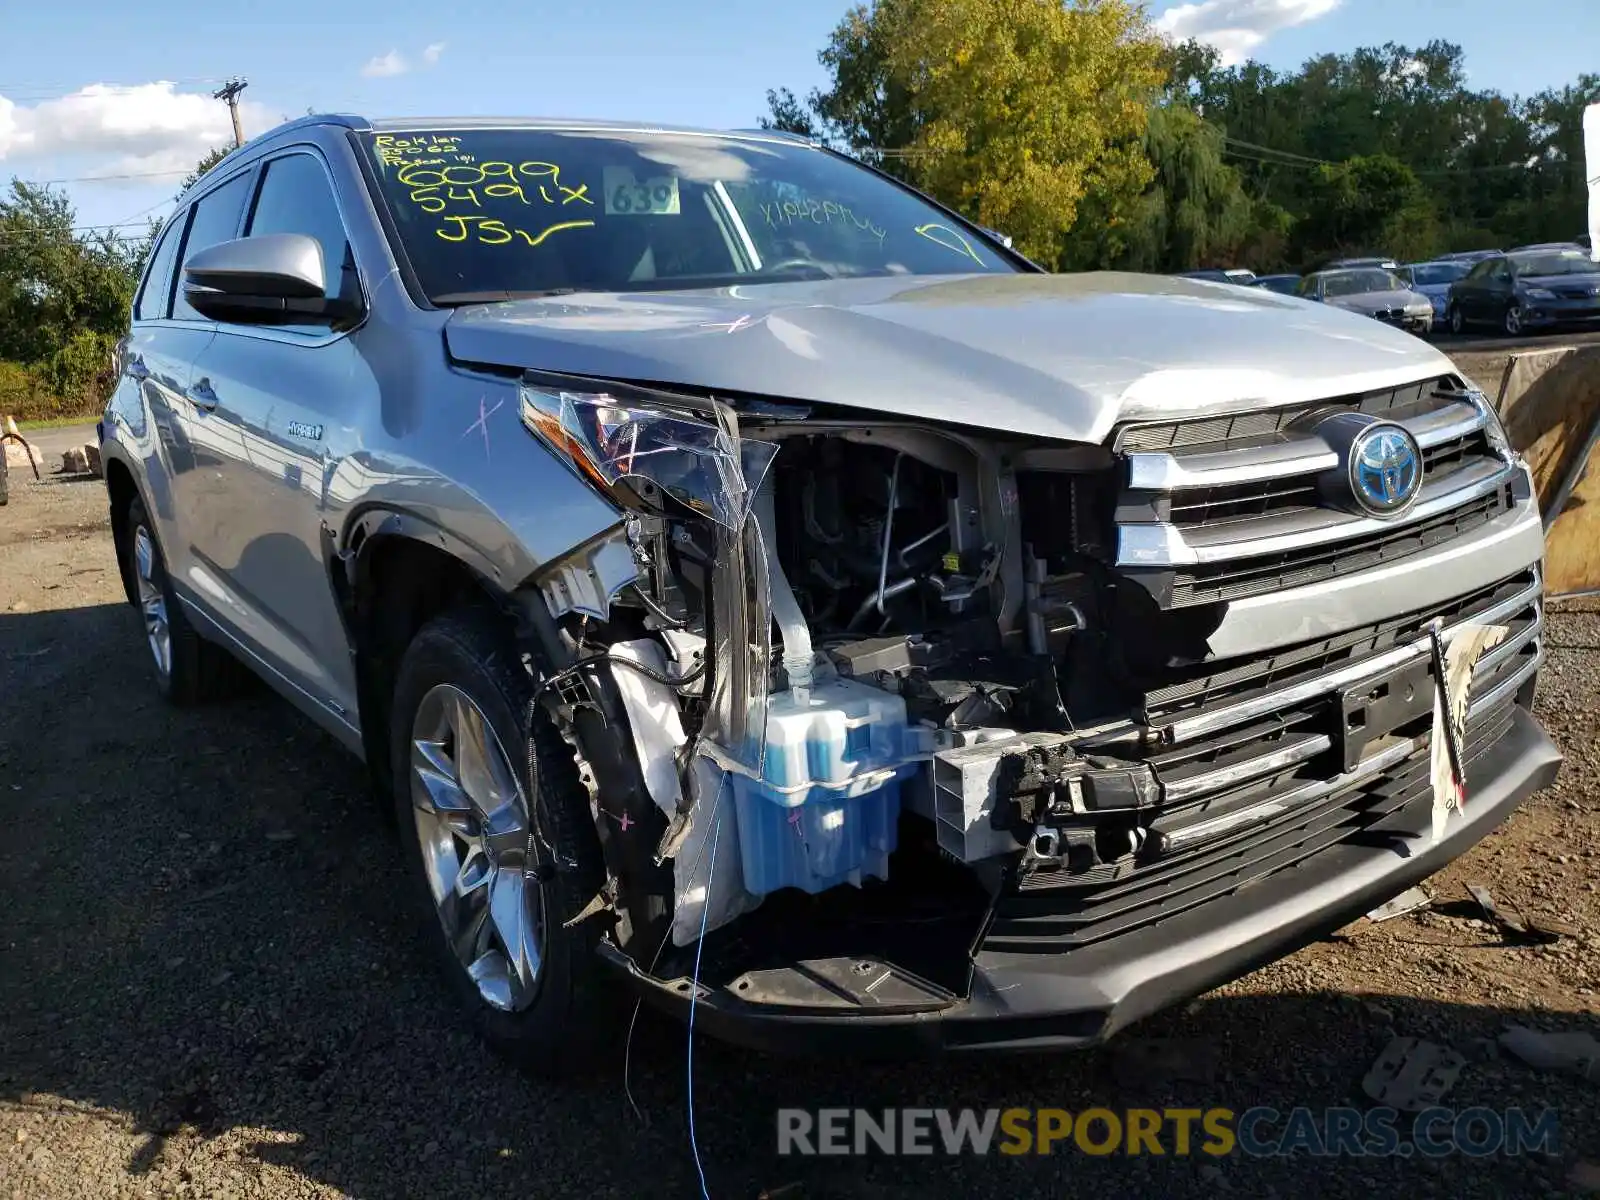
(205, 988)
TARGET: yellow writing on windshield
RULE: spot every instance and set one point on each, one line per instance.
(490, 203)
(817, 212)
(951, 239)
(491, 232)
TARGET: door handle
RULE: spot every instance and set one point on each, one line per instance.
(201, 396)
(137, 369)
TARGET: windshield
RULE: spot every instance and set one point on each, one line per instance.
(1554, 262)
(1353, 283)
(1425, 274)
(494, 213)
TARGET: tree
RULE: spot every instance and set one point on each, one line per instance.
(1371, 204)
(1010, 111)
(1194, 212)
(64, 296)
(211, 159)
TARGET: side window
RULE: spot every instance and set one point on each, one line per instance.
(1479, 272)
(295, 197)
(155, 299)
(216, 219)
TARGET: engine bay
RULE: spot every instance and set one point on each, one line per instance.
(892, 660)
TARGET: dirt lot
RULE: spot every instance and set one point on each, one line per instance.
(205, 989)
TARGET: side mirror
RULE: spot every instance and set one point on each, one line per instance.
(274, 279)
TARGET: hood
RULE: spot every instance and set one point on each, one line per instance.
(1055, 356)
(1372, 301)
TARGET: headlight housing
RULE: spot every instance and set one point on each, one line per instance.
(1535, 293)
(649, 441)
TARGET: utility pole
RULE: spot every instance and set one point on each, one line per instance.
(230, 93)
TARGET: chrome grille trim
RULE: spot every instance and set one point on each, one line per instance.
(1284, 455)
(1179, 729)
(1165, 545)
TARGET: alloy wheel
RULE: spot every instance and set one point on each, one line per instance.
(1514, 320)
(152, 600)
(473, 827)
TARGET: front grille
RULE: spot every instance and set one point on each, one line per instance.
(1303, 805)
(1196, 688)
(1047, 916)
(1219, 509)
(1200, 506)
(1237, 578)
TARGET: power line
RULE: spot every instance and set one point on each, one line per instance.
(105, 178)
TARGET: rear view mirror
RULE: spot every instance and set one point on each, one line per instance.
(274, 279)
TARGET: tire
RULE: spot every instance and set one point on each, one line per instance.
(461, 686)
(189, 670)
(1458, 323)
(1512, 321)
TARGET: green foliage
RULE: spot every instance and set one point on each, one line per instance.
(64, 302)
(1095, 144)
(1371, 204)
(1010, 111)
(211, 159)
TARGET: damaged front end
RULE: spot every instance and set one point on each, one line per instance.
(875, 717)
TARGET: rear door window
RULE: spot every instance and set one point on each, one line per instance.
(216, 219)
(155, 300)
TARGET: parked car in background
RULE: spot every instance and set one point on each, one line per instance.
(1531, 246)
(1284, 285)
(1374, 292)
(1468, 256)
(1242, 276)
(1339, 264)
(1527, 289)
(1433, 280)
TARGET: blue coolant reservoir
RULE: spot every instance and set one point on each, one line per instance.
(825, 808)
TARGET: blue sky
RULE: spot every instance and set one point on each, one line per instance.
(97, 88)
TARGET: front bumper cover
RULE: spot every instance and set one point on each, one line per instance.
(1075, 999)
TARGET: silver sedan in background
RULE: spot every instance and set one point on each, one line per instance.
(1374, 291)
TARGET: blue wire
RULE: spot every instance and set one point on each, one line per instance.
(705, 912)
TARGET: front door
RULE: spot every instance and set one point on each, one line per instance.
(290, 399)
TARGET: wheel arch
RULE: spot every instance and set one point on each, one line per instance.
(122, 489)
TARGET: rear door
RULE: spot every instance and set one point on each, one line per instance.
(292, 398)
(157, 363)
(206, 441)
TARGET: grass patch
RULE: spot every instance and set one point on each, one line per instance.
(88, 418)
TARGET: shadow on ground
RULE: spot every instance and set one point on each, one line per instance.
(200, 942)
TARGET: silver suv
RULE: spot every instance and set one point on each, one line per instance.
(755, 588)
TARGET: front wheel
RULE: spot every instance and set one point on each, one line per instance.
(496, 880)
(1458, 323)
(1513, 321)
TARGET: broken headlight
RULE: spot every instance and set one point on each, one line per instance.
(619, 435)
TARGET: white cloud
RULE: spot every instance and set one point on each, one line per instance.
(385, 65)
(119, 130)
(1236, 27)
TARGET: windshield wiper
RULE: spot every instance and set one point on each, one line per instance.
(451, 299)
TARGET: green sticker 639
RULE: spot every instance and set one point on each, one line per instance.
(656, 196)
